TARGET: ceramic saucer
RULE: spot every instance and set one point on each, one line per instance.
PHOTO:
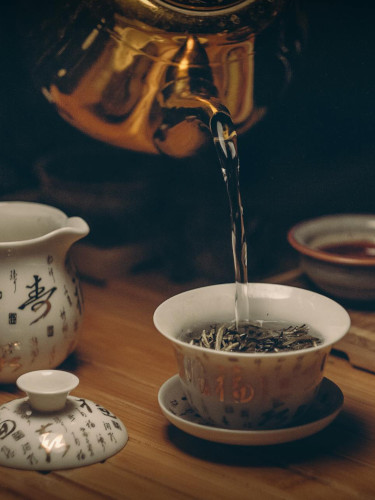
(177, 410)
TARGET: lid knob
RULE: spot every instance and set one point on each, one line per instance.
(47, 389)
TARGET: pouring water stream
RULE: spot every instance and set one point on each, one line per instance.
(225, 140)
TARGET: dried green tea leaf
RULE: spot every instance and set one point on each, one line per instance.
(254, 338)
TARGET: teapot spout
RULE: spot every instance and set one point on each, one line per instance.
(188, 101)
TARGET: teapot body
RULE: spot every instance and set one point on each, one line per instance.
(107, 65)
(41, 303)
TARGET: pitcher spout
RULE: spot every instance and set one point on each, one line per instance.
(76, 228)
(72, 231)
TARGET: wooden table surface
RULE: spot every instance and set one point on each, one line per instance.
(122, 361)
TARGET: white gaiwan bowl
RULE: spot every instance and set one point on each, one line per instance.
(251, 390)
(337, 253)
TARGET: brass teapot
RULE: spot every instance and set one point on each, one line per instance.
(147, 75)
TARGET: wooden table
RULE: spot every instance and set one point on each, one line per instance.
(122, 361)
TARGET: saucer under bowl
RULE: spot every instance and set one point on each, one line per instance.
(175, 407)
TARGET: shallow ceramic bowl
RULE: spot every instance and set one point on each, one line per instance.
(343, 275)
(251, 390)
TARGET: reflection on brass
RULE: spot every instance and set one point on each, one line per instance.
(143, 74)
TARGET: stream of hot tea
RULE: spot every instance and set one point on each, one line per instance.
(225, 140)
(250, 334)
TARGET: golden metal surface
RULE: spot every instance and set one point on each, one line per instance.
(135, 73)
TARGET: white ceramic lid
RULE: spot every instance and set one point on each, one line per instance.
(49, 430)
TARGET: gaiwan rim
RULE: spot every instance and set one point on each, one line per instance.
(297, 241)
(345, 322)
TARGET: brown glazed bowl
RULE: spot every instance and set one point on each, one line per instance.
(337, 253)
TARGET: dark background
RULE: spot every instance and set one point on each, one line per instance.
(313, 154)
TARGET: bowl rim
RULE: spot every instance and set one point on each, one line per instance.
(317, 254)
(327, 345)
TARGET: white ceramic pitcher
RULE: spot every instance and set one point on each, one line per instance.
(41, 302)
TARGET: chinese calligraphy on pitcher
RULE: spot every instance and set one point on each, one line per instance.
(38, 298)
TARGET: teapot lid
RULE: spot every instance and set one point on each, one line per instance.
(49, 430)
(201, 16)
(205, 5)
